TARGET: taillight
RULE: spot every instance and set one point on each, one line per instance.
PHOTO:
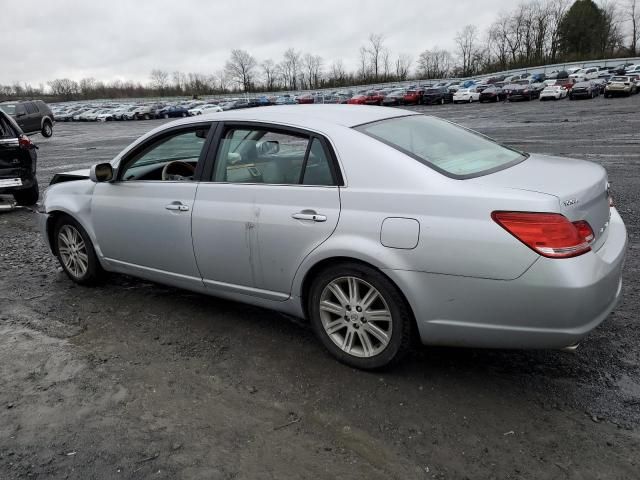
(24, 142)
(549, 234)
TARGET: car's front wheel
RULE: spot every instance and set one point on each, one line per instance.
(360, 316)
(75, 252)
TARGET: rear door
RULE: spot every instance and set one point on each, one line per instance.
(273, 199)
(15, 162)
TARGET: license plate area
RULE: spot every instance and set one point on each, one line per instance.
(10, 182)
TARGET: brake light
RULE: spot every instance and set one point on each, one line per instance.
(24, 142)
(549, 234)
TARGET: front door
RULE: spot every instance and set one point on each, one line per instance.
(143, 218)
(273, 199)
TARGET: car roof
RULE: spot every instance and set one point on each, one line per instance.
(307, 115)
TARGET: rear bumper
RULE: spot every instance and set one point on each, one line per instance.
(554, 304)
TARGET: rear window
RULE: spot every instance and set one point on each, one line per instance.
(443, 146)
(8, 108)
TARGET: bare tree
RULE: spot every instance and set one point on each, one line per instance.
(338, 73)
(270, 72)
(632, 13)
(159, 80)
(403, 64)
(311, 70)
(375, 49)
(386, 64)
(434, 63)
(557, 10)
(363, 64)
(466, 40)
(290, 68)
(240, 68)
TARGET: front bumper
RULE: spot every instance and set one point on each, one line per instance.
(554, 304)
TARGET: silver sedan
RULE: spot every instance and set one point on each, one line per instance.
(377, 225)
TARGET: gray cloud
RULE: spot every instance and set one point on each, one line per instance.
(126, 39)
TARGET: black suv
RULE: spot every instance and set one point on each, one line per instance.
(17, 163)
(33, 116)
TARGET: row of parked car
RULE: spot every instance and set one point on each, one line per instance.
(573, 83)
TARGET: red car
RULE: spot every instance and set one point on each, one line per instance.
(357, 100)
(566, 83)
(374, 98)
(303, 99)
(413, 97)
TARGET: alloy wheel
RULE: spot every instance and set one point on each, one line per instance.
(356, 317)
(73, 251)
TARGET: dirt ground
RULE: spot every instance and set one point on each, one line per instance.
(134, 380)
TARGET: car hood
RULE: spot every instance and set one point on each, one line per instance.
(69, 176)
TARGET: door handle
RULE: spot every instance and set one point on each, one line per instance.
(309, 215)
(177, 207)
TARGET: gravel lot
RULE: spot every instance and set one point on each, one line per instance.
(135, 380)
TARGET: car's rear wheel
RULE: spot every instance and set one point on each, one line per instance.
(47, 129)
(360, 316)
(27, 197)
(75, 252)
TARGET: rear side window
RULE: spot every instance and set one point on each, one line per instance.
(6, 129)
(31, 108)
(443, 146)
(276, 157)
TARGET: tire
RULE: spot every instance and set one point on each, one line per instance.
(166, 115)
(47, 129)
(92, 272)
(184, 114)
(27, 197)
(146, 116)
(470, 100)
(442, 102)
(397, 330)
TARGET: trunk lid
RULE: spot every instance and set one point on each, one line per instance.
(580, 187)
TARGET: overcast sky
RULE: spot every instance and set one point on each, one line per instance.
(126, 39)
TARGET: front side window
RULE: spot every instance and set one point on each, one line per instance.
(260, 155)
(447, 148)
(170, 158)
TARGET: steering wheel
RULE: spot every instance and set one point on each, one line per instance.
(177, 171)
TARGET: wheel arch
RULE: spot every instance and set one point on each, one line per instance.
(46, 119)
(322, 264)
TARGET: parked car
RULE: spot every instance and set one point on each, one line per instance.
(285, 100)
(171, 111)
(31, 116)
(522, 92)
(566, 83)
(357, 100)
(305, 99)
(553, 92)
(620, 69)
(635, 80)
(492, 94)
(632, 69)
(18, 161)
(413, 97)
(395, 97)
(105, 115)
(619, 85)
(374, 97)
(585, 74)
(466, 95)
(371, 265)
(437, 95)
(587, 89)
(207, 108)
(147, 112)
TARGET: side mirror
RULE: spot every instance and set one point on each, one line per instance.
(270, 147)
(102, 172)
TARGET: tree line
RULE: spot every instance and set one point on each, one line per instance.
(535, 32)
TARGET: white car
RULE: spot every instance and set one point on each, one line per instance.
(585, 74)
(204, 109)
(468, 95)
(553, 92)
(632, 69)
(105, 115)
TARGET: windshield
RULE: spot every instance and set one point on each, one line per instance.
(9, 109)
(448, 148)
